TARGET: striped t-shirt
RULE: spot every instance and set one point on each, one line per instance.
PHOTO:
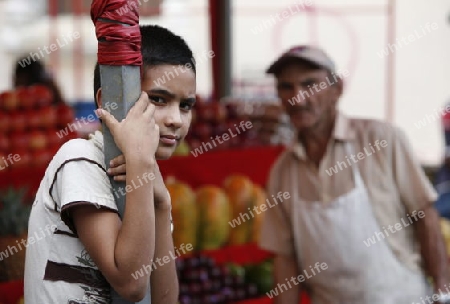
(58, 268)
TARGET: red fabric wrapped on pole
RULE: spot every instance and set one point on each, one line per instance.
(118, 44)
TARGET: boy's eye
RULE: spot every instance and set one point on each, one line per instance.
(186, 106)
(156, 99)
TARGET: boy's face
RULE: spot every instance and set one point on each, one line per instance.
(171, 88)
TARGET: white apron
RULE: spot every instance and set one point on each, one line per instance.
(334, 234)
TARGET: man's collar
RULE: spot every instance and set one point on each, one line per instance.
(342, 131)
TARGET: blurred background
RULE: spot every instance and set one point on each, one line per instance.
(394, 54)
(401, 86)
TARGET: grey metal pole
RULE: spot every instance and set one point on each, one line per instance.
(121, 88)
(225, 45)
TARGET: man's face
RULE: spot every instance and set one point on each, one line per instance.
(307, 96)
(174, 97)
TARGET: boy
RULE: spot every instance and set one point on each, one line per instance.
(92, 250)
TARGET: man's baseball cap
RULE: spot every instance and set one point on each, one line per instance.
(307, 53)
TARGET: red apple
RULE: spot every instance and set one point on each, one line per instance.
(4, 123)
(43, 96)
(232, 110)
(34, 119)
(219, 129)
(17, 121)
(219, 112)
(38, 140)
(19, 140)
(41, 158)
(53, 140)
(24, 161)
(205, 112)
(48, 117)
(65, 114)
(9, 101)
(4, 143)
(3, 168)
(202, 130)
(26, 98)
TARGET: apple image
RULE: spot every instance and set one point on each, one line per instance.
(220, 113)
(65, 115)
(37, 141)
(202, 131)
(204, 112)
(4, 143)
(53, 140)
(17, 121)
(49, 117)
(25, 98)
(232, 110)
(4, 123)
(33, 119)
(3, 168)
(9, 101)
(24, 161)
(219, 129)
(41, 158)
(19, 140)
(43, 96)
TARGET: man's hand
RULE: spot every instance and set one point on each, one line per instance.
(433, 248)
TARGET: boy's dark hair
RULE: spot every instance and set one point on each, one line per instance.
(159, 46)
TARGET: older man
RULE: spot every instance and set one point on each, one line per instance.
(360, 226)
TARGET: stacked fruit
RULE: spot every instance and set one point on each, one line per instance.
(204, 282)
(30, 127)
(206, 218)
(269, 124)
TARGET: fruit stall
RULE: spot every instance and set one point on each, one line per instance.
(210, 186)
(208, 190)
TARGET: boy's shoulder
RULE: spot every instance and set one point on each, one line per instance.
(81, 149)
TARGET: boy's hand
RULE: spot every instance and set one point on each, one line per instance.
(117, 168)
(162, 197)
(137, 136)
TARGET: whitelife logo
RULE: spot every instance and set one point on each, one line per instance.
(360, 155)
(162, 261)
(303, 94)
(297, 280)
(244, 126)
(378, 236)
(424, 30)
(31, 239)
(48, 49)
(263, 207)
(293, 9)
